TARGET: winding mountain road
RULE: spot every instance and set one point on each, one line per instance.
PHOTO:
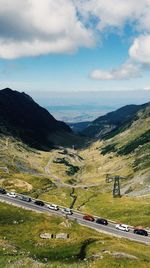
(78, 216)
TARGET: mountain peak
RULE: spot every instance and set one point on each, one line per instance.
(10, 92)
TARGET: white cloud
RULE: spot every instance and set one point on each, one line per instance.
(140, 49)
(127, 71)
(11, 50)
(31, 27)
(116, 13)
(37, 27)
(139, 57)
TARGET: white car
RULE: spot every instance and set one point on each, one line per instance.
(12, 194)
(53, 207)
(67, 211)
(122, 227)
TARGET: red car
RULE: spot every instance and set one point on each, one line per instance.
(88, 218)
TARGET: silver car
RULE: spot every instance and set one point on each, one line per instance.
(122, 227)
(12, 194)
(53, 207)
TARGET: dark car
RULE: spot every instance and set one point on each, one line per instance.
(88, 218)
(102, 221)
(25, 198)
(2, 191)
(140, 232)
(39, 203)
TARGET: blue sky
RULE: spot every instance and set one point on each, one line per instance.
(56, 46)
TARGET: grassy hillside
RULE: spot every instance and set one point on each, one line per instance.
(38, 173)
(113, 121)
(133, 143)
(54, 175)
(21, 245)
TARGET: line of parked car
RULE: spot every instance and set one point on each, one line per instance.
(124, 227)
(121, 227)
(91, 218)
(68, 211)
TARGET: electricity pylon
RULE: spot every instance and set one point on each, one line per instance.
(116, 188)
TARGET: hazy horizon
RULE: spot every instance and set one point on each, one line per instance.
(87, 106)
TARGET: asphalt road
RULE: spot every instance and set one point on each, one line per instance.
(109, 229)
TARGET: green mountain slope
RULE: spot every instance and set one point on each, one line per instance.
(112, 122)
(52, 175)
(133, 146)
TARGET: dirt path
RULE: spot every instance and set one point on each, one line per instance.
(59, 183)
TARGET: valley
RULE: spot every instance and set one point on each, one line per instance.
(74, 134)
(74, 175)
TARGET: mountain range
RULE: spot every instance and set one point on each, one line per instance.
(110, 123)
(117, 143)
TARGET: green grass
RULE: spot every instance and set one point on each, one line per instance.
(142, 158)
(71, 168)
(129, 147)
(21, 245)
(134, 211)
(27, 175)
(130, 210)
(22, 229)
(60, 196)
(132, 145)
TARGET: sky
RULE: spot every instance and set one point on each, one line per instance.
(75, 45)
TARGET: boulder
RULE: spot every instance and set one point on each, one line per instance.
(46, 236)
(62, 236)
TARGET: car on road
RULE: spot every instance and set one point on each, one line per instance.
(88, 218)
(102, 221)
(39, 203)
(52, 206)
(25, 198)
(122, 227)
(140, 231)
(67, 211)
(12, 194)
(2, 191)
